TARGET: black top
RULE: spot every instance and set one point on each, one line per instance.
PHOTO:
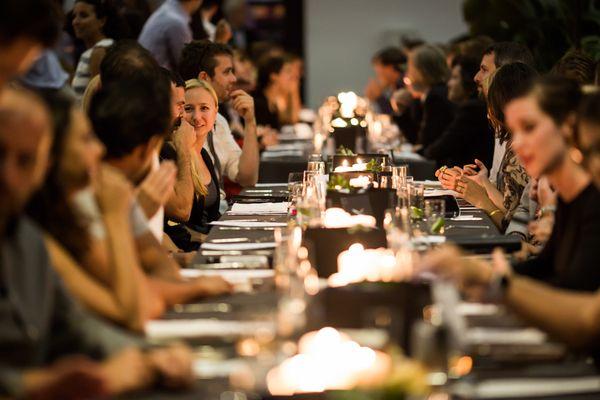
(264, 114)
(469, 136)
(570, 258)
(202, 212)
(437, 114)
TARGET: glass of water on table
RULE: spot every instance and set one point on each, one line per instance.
(434, 215)
(295, 186)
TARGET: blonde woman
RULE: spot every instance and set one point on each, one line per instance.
(201, 203)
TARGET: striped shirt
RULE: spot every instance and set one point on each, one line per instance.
(82, 73)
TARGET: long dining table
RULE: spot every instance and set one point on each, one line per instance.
(217, 327)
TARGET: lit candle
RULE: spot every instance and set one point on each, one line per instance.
(328, 360)
(360, 181)
(338, 218)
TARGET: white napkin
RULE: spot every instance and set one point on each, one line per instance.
(207, 369)
(259, 208)
(238, 246)
(193, 328)
(271, 184)
(233, 276)
(491, 336)
(431, 239)
(248, 224)
(438, 192)
(284, 153)
(467, 218)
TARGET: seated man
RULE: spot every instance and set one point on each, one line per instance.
(132, 128)
(47, 341)
(213, 63)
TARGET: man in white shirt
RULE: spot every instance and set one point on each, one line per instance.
(213, 62)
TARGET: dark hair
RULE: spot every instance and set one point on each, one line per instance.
(557, 96)
(267, 66)
(172, 76)
(475, 47)
(589, 112)
(49, 206)
(127, 60)
(128, 114)
(510, 81)
(115, 26)
(510, 52)
(39, 20)
(200, 55)
(468, 69)
(575, 65)
(430, 60)
(390, 56)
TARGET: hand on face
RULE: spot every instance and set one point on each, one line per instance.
(184, 138)
(155, 190)
(546, 196)
(223, 32)
(401, 100)
(373, 89)
(113, 191)
(243, 104)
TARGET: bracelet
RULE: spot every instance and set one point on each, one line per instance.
(547, 210)
(496, 211)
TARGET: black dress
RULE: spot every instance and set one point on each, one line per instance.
(264, 114)
(202, 213)
(469, 136)
(436, 114)
(571, 258)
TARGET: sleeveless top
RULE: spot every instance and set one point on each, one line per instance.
(82, 73)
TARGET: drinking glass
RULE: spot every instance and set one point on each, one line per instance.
(399, 173)
(434, 214)
(316, 166)
(295, 185)
(416, 193)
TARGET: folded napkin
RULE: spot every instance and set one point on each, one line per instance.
(259, 208)
(234, 276)
(249, 224)
(194, 328)
(439, 192)
(467, 218)
(238, 246)
(282, 154)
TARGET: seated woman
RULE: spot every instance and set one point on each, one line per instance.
(276, 89)
(470, 124)
(498, 200)
(200, 111)
(569, 315)
(423, 108)
(85, 211)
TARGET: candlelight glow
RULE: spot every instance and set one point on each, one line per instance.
(339, 123)
(360, 181)
(338, 218)
(358, 264)
(328, 360)
(360, 165)
(348, 102)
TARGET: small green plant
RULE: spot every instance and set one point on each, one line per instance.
(337, 182)
(344, 151)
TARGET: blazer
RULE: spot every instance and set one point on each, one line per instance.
(467, 137)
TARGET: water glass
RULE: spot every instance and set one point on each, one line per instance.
(316, 166)
(434, 214)
(416, 192)
(399, 173)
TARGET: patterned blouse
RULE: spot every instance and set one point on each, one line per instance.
(512, 180)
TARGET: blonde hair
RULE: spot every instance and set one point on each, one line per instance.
(190, 84)
(202, 84)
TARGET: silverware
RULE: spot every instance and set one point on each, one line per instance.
(200, 308)
(229, 240)
(468, 226)
(245, 228)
